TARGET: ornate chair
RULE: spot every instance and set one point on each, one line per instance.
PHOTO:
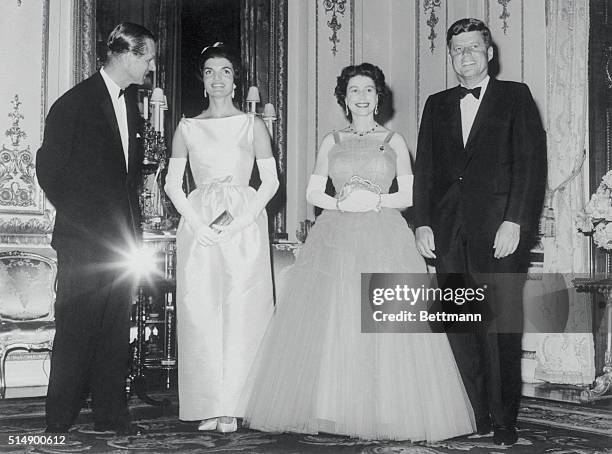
(27, 296)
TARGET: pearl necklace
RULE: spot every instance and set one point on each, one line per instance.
(362, 133)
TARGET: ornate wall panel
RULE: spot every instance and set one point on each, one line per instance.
(24, 38)
(517, 26)
(334, 34)
(407, 38)
(84, 33)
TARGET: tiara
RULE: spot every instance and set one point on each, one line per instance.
(217, 44)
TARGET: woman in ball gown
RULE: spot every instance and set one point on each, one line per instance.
(316, 371)
(224, 281)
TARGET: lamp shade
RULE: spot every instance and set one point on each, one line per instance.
(269, 111)
(157, 96)
(253, 95)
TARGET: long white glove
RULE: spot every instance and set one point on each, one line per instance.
(267, 189)
(403, 197)
(174, 188)
(315, 193)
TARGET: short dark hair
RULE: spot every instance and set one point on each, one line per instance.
(220, 50)
(364, 69)
(469, 24)
(128, 37)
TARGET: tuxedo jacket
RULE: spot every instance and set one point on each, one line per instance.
(499, 175)
(81, 167)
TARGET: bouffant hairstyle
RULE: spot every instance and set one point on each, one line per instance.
(364, 69)
(469, 25)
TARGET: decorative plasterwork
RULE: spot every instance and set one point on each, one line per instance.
(505, 15)
(608, 66)
(18, 189)
(18, 2)
(84, 29)
(335, 7)
(33, 226)
(429, 7)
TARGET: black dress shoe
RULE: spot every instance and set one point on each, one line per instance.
(57, 429)
(484, 426)
(505, 435)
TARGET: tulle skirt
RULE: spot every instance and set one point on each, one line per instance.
(316, 372)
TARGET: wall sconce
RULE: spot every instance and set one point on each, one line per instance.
(252, 98)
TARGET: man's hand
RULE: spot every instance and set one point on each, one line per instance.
(425, 242)
(506, 239)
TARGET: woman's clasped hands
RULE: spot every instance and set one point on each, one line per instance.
(358, 200)
(206, 235)
(209, 236)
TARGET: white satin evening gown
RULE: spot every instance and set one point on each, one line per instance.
(224, 291)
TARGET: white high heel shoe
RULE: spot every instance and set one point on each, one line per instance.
(208, 424)
(225, 427)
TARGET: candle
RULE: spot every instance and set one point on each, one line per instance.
(157, 99)
(269, 116)
(154, 116)
(161, 120)
(145, 108)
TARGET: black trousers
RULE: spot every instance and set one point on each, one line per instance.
(91, 346)
(489, 356)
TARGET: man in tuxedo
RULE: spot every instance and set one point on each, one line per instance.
(480, 175)
(89, 167)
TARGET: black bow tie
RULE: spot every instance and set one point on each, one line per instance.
(121, 93)
(463, 92)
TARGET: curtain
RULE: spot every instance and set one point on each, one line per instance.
(566, 357)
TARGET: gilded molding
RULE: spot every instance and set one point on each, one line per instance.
(608, 65)
(278, 87)
(429, 8)
(18, 189)
(505, 15)
(25, 239)
(294, 248)
(84, 31)
(43, 69)
(335, 7)
(33, 226)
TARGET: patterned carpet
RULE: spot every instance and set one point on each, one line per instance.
(544, 427)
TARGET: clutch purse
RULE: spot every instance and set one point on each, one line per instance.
(224, 218)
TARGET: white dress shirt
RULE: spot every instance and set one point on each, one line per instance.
(469, 108)
(120, 112)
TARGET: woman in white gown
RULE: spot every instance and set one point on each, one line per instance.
(316, 371)
(224, 281)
